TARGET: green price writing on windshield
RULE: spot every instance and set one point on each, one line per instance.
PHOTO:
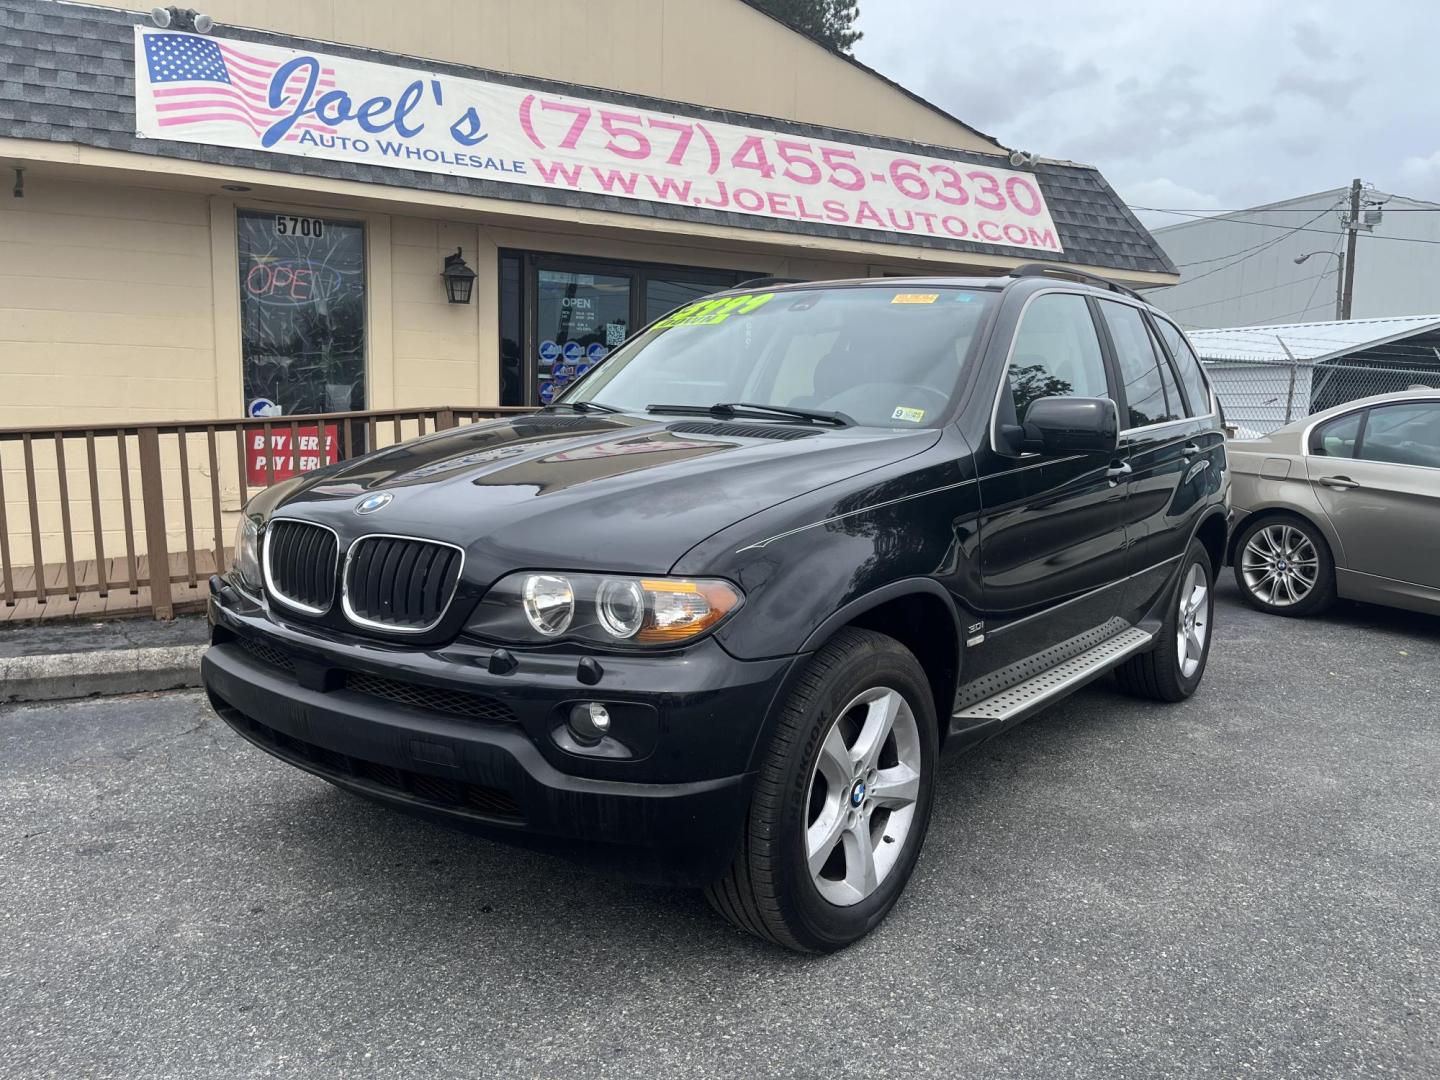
(709, 312)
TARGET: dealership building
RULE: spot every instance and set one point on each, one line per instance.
(214, 222)
(258, 220)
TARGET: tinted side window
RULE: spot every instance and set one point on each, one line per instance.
(1197, 392)
(1174, 403)
(1403, 435)
(1338, 437)
(1140, 368)
(1056, 352)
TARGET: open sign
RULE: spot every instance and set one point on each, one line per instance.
(290, 282)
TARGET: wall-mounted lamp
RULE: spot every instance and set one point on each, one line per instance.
(19, 189)
(459, 278)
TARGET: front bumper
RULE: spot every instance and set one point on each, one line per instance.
(671, 811)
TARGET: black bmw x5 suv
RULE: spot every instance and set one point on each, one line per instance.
(712, 615)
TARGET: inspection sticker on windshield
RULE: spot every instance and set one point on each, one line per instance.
(913, 416)
(915, 298)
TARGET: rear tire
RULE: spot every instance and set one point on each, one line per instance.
(1173, 669)
(1283, 566)
(848, 773)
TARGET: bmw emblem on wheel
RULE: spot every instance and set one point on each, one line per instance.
(371, 503)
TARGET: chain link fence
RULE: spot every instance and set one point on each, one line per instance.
(1261, 396)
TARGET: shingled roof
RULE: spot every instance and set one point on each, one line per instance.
(67, 75)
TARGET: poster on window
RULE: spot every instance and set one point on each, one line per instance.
(302, 314)
(279, 456)
(275, 100)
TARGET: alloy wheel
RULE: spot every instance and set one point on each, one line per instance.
(1192, 625)
(1280, 565)
(863, 792)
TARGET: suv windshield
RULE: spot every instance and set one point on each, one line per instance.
(884, 357)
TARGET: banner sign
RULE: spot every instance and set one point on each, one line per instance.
(281, 455)
(192, 88)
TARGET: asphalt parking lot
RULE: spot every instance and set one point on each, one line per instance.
(1244, 885)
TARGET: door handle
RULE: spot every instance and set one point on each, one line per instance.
(1115, 472)
(1190, 450)
(1339, 483)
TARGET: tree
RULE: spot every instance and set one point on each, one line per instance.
(828, 21)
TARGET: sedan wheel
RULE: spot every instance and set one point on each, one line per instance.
(1280, 565)
(1283, 566)
(862, 796)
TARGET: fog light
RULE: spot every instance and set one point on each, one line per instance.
(589, 722)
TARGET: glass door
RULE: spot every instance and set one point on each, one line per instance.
(561, 315)
(580, 315)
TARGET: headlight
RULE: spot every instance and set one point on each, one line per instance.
(549, 604)
(246, 560)
(620, 607)
(603, 609)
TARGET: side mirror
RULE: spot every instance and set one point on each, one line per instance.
(1071, 425)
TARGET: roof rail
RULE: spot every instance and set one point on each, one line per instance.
(1040, 269)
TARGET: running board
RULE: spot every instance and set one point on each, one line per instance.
(1038, 690)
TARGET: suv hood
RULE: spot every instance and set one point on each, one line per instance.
(608, 492)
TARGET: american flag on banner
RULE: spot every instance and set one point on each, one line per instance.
(198, 80)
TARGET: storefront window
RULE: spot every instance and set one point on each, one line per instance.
(302, 313)
(581, 318)
(560, 315)
(666, 293)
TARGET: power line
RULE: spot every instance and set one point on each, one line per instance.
(1280, 210)
(1262, 247)
(1271, 319)
(1285, 315)
(1227, 255)
(1255, 292)
(1300, 228)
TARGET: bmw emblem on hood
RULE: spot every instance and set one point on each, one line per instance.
(371, 503)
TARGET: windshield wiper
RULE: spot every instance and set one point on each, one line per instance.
(581, 406)
(728, 409)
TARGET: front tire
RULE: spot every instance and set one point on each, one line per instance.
(1173, 669)
(842, 801)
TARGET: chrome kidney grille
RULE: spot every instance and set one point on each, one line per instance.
(300, 564)
(400, 583)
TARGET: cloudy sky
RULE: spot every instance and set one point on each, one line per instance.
(1183, 104)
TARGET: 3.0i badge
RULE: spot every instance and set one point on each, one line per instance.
(371, 503)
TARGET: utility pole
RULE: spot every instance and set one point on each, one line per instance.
(1353, 227)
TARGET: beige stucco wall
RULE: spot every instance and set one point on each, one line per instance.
(439, 357)
(105, 305)
(720, 53)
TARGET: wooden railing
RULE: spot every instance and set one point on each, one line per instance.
(98, 520)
